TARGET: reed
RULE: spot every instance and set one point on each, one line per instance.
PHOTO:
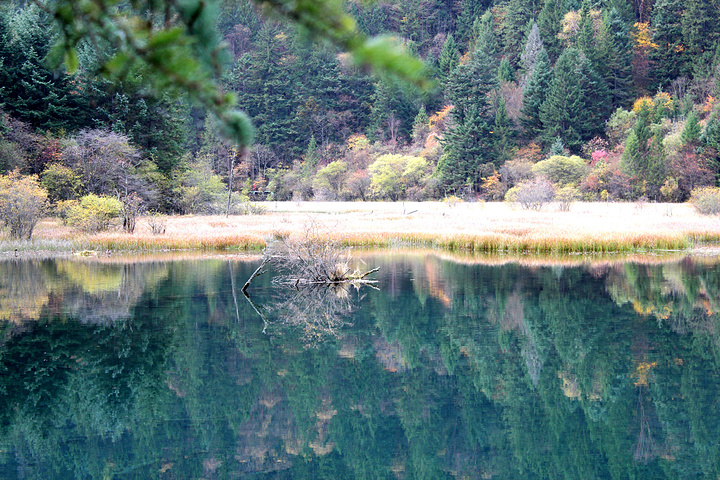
(477, 229)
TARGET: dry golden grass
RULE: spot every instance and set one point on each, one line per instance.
(467, 227)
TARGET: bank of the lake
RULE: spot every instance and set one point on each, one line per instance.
(472, 227)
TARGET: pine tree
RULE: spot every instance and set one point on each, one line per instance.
(468, 143)
(533, 47)
(470, 11)
(534, 95)
(615, 54)
(550, 24)
(700, 32)
(466, 147)
(449, 58)
(576, 103)
(691, 132)
(668, 58)
(518, 14)
(484, 37)
(469, 84)
(505, 71)
(502, 135)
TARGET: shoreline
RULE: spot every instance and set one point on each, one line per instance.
(473, 228)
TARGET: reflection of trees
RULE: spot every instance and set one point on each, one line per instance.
(90, 291)
(458, 371)
(318, 312)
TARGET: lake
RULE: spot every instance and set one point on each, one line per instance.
(452, 368)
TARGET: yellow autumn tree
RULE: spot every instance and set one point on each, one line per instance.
(22, 203)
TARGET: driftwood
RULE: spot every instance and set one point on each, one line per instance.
(312, 260)
(259, 271)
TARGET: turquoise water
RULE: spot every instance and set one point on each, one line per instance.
(163, 369)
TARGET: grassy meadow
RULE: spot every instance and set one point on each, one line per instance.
(479, 228)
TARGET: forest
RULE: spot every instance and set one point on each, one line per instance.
(610, 100)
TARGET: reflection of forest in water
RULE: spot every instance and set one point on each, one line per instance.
(156, 370)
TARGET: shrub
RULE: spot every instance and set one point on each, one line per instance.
(533, 194)
(157, 223)
(566, 196)
(92, 213)
(22, 202)
(61, 182)
(562, 170)
(706, 200)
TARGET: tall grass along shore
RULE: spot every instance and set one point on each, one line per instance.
(468, 227)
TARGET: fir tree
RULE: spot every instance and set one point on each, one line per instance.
(469, 85)
(668, 58)
(534, 95)
(484, 36)
(518, 14)
(700, 31)
(533, 47)
(615, 54)
(691, 132)
(502, 135)
(505, 71)
(550, 24)
(449, 57)
(466, 147)
(468, 144)
(470, 11)
(575, 105)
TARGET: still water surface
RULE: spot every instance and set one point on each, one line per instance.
(451, 369)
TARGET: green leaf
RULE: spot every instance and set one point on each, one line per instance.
(71, 60)
(166, 38)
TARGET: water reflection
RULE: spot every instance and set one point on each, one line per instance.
(450, 370)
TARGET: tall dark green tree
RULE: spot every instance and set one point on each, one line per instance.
(449, 57)
(518, 14)
(669, 56)
(534, 95)
(550, 23)
(503, 135)
(468, 143)
(615, 55)
(576, 103)
(470, 10)
(30, 91)
(700, 30)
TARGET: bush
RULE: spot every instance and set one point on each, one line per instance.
(157, 223)
(92, 213)
(706, 200)
(22, 203)
(532, 195)
(566, 196)
(61, 182)
(562, 170)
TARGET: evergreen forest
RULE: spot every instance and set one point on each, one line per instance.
(610, 100)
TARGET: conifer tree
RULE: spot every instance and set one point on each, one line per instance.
(533, 47)
(468, 143)
(534, 95)
(615, 55)
(549, 23)
(518, 14)
(700, 32)
(502, 135)
(484, 37)
(449, 57)
(691, 132)
(470, 11)
(668, 58)
(576, 103)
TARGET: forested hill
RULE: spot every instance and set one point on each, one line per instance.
(611, 99)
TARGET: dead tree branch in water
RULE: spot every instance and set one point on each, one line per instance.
(313, 259)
